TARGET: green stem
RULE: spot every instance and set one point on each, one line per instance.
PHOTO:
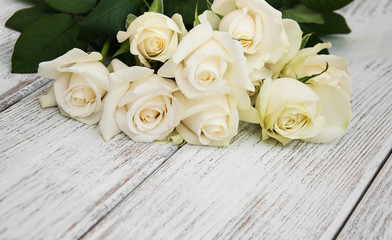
(148, 5)
(105, 48)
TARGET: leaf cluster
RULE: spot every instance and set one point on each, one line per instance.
(314, 16)
(50, 28)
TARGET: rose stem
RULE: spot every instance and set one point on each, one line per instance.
(105, 48)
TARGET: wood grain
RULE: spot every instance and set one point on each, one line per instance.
(372, 218)
(13, 87)
(58, 177)
(255, 189)
(371, 34)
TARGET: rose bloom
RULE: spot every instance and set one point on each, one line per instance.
(80, 84)
(209, 121)
(307, 62)
(209, 63)
(290, 109)
(143, 105)
(153, 36)
(257, 26)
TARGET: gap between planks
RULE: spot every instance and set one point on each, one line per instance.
(374, 211)
(365, 191)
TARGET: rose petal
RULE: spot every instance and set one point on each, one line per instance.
(195, 38)
(294, 35)
(336, 109)
(168, 69)
(177, 18)
(48, 100)
(50, 69)
(222, 7)
(211, 18)
(284, 88)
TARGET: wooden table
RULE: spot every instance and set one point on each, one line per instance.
(59, 179)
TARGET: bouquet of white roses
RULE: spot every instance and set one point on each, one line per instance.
(187, 71)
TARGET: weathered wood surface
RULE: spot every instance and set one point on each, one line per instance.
(372, 218)
(255, 189)
(13, 87)
(371, 34)
(58, 177)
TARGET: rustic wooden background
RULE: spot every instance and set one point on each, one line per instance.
(59, 179)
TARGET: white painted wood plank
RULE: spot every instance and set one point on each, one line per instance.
(255, 189)
(371, 34)
(372, 219)
(58, 177)
(13, 87)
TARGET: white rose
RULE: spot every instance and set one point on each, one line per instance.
(209, 121)
(290, 109)
(143, 105)
(153, 36)
(210, 63)
(307, 62)
(258, 26)
(80, 84)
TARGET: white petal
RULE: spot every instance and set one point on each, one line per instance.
(49, 69)
(108, 124)
(249, 115)
(116, 65)
(286, 90)
(222, 7)
(195, 38)
(236, 74)
(294, 35)
(187, 134)
(168, 69)
(191, 92)
(122, 36)
(94, 72)
(336, 109)
(129, 74)
(210, 17)
(48, 100)
(177, 18)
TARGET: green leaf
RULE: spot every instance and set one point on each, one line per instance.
(128, 59)
(209, 5)
(334, 24)
(72, 6)
(157, 6)
(147, 4)
(302, 14)
(34, 1)
(305, 40)
(123, 49)
(129, 20)
(307, 78)
(24, 17)
(43, 40)
(313, 39)
(107, 18)
(186, 8)
(278, 4)
(325, 5)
